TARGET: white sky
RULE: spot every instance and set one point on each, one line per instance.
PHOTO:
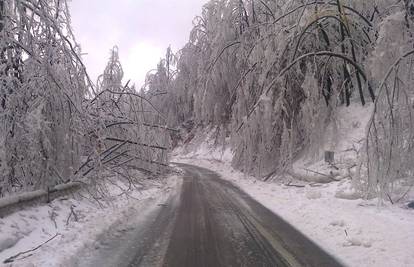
(142, 29)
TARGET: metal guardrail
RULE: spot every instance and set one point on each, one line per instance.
(16, 203)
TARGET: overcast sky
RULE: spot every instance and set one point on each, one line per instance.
(142, 29)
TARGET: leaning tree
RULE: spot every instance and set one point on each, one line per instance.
(42, 86)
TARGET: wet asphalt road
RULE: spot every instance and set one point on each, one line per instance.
(209, 223)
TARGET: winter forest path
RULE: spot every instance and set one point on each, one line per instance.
(212, 223)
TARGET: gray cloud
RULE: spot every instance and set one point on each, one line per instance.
(142, 29)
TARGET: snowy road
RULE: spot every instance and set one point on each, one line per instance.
(208, 222)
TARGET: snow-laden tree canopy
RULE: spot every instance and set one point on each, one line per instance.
(272, 74)
(55, 126)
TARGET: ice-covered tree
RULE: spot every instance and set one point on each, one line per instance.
(42, 86)
(389, 159)
(127, 133)
(272, 74)
(55, 125)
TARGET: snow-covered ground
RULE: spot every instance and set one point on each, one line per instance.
(359, 232)
(70, 232)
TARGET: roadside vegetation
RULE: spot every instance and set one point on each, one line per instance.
(273, 75)
(270, 76)
(57, 126)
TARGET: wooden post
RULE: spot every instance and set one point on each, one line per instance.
(1, 15)
(48, 195)
(329, 157)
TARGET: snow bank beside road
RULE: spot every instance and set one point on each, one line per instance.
(356, 231)
(77, 230)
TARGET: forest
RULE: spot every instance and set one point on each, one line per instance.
(270, 76)
(267, 75)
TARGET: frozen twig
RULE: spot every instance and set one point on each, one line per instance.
(15, 257)
(75, 216)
